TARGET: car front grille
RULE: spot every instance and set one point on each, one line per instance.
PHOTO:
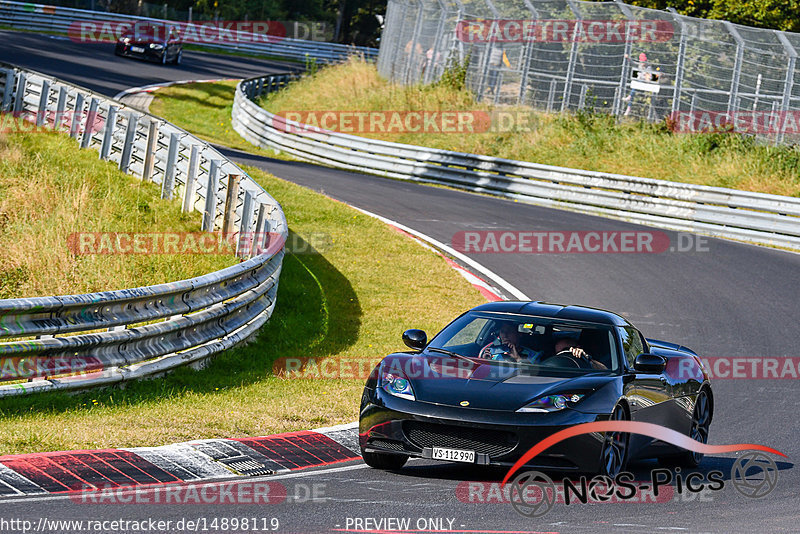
(491, 442)
(387, 444)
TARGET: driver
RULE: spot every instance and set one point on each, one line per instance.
(571, 348)
(507, 346)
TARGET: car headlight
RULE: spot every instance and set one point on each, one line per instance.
(553, 403)
(156, 46)
(394, 384)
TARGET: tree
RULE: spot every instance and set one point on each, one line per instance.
(774, 14)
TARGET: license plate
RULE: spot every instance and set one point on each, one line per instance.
(454, 455)
(137, 49)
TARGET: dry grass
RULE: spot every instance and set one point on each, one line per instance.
(179, 104)
(585, 140)
(49, 189)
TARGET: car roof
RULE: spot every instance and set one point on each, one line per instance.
(570, 312)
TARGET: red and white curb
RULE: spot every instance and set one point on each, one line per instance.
(192, 461)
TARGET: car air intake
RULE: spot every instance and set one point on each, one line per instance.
(491, 442)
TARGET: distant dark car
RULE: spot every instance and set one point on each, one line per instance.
(505, 375)
(153, 43)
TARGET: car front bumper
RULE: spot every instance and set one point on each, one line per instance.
(139, 50)
(393, 425)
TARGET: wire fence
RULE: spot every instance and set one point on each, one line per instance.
(560, 55)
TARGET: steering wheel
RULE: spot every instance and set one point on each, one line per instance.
(561, 360)
(565, 355)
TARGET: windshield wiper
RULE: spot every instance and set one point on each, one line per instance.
(449, 353)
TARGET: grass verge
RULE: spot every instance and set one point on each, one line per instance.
(50, 189)
(203, 109)
(586, 140)
(347, 302)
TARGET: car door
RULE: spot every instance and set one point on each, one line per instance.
(648, 394)
(172, 43)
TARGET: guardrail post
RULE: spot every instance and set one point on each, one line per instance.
(44, 99)
(127, 148)
(60, 106)
(169, 171)
(244, 247)
(91, 116)
(191, 178)
(230, 204)
(258, 238)
(19, 97)
(210, 212)
(77, 110)
(8, 88)
(150, 150)
(108, 139)
(266, 237)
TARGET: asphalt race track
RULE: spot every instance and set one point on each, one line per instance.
(725, 300)
(95, 66)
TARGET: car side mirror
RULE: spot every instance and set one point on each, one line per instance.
(650, 364)
(415, 339)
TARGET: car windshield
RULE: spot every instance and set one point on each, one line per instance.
(531, 342)
(146, 32)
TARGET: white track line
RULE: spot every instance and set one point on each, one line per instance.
(496, 278)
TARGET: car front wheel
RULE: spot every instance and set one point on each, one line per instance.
(701, 421)
(614, 457)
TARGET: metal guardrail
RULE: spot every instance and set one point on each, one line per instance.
(121, 335)
(58, 19)
(720, 212)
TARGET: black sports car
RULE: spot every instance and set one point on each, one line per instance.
(505, 375)
(154, 42)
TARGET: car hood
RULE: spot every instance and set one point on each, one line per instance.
(490, 384)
